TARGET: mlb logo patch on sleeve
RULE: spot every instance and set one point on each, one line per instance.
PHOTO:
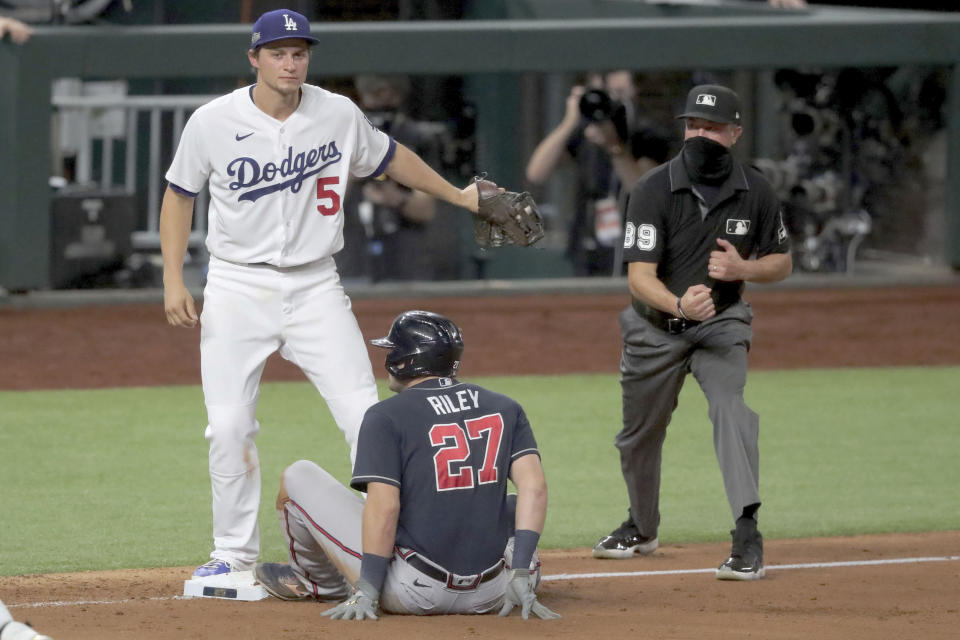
(737, 227)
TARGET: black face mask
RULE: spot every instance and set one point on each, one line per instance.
(707, 161)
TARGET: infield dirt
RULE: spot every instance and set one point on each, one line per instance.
(130, 345)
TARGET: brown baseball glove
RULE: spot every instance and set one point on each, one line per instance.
(505, 217)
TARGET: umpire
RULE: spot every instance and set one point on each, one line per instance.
(696, 229)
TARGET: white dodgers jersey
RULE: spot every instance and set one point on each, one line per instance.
(276, 188)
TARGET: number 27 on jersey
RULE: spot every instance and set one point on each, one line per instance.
(454, 450)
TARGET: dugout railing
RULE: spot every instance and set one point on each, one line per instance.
(160, 118)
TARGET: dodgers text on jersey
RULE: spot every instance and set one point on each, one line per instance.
(249, 173)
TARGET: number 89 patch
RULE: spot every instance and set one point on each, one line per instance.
(645, 236)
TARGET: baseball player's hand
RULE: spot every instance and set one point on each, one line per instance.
(727, 264)
(362, 605)
(179, 306)
(697, 303)
(520, 592)
(470, 198)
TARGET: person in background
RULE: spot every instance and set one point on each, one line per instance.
(611, 147)
(390, 220)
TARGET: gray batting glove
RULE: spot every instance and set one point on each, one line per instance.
(520, 592)
(361, 605)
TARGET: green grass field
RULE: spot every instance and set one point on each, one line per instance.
(117, 478)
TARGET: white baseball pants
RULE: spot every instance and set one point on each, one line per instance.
(250, 311)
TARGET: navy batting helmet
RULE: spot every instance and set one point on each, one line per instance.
(422, 343)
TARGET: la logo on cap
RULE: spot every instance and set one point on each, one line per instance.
(707, 99)
(289, 23)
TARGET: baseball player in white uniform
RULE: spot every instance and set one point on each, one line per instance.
(277, 157)
(10, 629)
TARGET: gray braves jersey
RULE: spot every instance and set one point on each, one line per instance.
(276, 188)
(448, 445)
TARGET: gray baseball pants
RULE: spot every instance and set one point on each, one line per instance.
(322, 523)
(653, 367)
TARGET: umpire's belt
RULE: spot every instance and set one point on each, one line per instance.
(661, 320)
(452, 580)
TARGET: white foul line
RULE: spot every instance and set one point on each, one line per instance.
(82, 603)
(810, 565)
(558, 576)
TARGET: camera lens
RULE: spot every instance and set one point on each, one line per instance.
(804, 122)
(596, 105)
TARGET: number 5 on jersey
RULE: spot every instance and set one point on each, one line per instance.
(455, 449)
(324, 194)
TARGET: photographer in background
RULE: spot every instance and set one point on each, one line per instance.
(388, 219)
(603, 135)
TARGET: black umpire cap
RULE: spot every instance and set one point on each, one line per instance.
(713, 102)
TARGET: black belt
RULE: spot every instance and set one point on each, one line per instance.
(452, 580)
(661, 320)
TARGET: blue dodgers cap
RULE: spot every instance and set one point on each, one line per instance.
(280, 24)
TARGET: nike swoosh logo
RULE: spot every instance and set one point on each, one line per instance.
(240, 137)
(417, 583)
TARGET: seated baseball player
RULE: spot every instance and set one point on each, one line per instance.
(437, 533)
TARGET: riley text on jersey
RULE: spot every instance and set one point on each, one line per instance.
(460, 401)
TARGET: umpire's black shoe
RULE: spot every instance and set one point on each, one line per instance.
(746, 556)
(624, 542)
(280, 581)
